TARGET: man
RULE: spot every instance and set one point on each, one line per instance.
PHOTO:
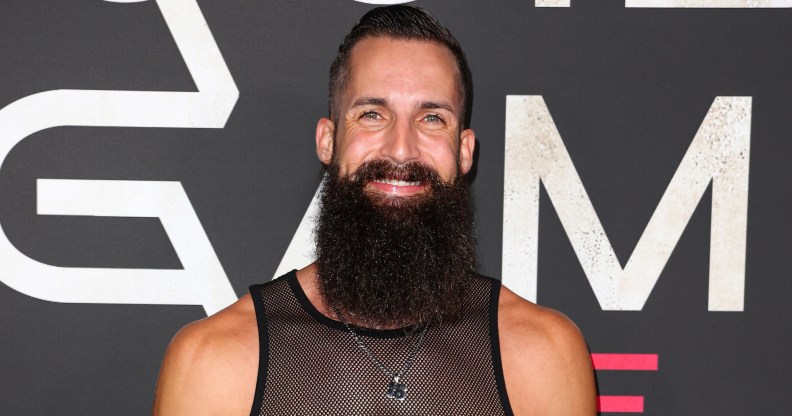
(391, 318)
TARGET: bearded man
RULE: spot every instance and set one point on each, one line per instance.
(391, 319)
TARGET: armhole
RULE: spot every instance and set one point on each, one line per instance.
(495, 287)
(263, 332)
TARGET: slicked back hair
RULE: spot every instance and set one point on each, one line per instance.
(404, 23)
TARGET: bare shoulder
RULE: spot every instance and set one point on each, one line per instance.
(546, 363)
(526, 322)
(210, 366)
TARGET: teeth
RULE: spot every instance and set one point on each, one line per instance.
(398, 183)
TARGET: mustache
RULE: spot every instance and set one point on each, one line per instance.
(382, 169)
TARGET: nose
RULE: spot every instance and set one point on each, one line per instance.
(401, 145)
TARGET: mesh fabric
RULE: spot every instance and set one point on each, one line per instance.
(310, 365)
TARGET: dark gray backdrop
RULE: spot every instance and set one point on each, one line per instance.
(627, 88)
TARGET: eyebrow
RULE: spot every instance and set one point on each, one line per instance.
(429, 105)
(370, 101)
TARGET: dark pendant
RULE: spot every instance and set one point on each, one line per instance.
(396, 390)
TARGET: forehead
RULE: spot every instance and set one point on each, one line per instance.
(384, 66)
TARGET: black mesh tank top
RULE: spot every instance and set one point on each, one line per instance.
(310, 365)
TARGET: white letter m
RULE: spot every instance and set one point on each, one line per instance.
(719, 153)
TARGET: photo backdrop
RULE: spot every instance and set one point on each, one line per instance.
(157, 158)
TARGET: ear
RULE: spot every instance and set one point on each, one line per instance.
(325, 130)
(467, 144)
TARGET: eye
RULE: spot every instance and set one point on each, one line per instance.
(434, 118)
(370, 116)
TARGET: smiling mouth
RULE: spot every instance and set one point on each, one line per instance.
(397, 187)
(397, 182)
(384, 179)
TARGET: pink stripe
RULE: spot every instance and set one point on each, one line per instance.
(646, 362)
(620, 404)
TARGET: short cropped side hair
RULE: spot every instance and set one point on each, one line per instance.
(405, 23)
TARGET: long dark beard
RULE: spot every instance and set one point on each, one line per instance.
(392, 262)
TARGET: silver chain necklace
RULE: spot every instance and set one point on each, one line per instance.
(396, 390)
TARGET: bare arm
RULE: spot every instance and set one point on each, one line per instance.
(546, 364)
(180, 388)
(210, 367)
